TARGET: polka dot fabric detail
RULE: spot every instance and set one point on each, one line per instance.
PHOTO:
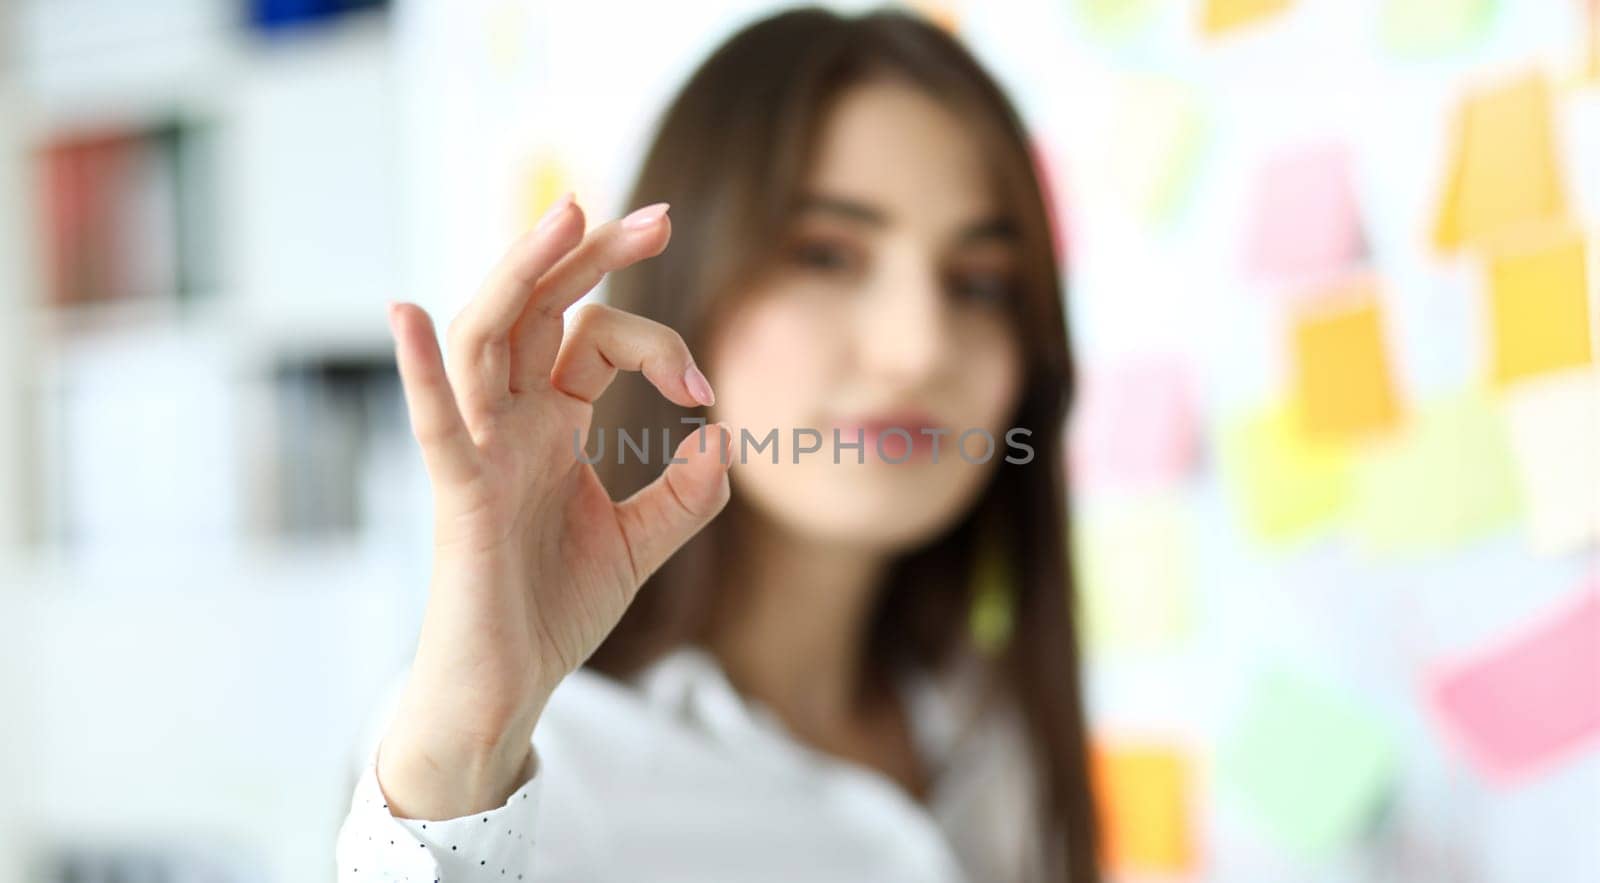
(493, 845)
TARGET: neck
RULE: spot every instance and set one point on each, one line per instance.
(794, 633)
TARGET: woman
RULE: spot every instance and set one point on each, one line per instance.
(863, 263)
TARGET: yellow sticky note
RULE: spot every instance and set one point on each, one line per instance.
(1342, 382)
(505, 29)
(1142, 794)
(1288, 486)
(544, 180)
(1134, 569)
(1539, 305)
(1555, 434)
(1224, 15)
(1446, 478)
(1503, 168)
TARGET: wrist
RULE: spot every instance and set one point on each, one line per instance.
(421, 781)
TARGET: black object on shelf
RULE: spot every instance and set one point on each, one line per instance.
(330, 411)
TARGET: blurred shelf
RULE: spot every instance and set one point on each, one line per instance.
(136, 62)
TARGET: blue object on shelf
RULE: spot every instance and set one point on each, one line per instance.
(281, 15)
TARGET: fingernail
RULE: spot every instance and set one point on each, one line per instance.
(644, 217)
(698, 386)
(391, 310)
(555, 209)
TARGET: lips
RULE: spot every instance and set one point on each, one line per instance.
(881, 443)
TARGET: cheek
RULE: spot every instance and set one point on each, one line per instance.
(768, 364)
(991, 373)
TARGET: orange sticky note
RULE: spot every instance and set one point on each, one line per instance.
(1503, 168)
(1342, 381)
(1539, 294)
(1141, 792)
(1225, 15)
(940, 13)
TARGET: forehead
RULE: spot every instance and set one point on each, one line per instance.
(893, 146)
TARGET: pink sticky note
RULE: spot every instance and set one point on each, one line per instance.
(1134, 424)
(1306, 223)
(1530, 700)
(1053, 185)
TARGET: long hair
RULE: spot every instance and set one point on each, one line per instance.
(731, 153)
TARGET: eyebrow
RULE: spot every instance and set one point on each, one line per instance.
(991, 229)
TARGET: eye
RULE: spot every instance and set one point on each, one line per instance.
(984, 289)
(823, 255)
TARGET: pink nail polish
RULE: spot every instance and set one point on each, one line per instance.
(644, 217)
(698, 386)
(555, 209)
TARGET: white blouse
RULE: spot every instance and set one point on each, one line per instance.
(676, 776)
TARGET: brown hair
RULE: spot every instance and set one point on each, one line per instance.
(730, 154)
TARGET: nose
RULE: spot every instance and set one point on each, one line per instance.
(902, 330)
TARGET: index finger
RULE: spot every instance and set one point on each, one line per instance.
(611, 246)
(493, 313)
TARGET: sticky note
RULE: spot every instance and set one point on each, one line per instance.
(1115, 18)
(505, 30)
(1342, 383)
(1306, 221)
(1154, 145)
(1592, 41)
(1555, 433)
(1286, 485)
(1309, 764)
(1522, 704)
(1053, 185)
(1134, 425)
(1446, 478)
(1142, 795)
(940, 13)
(1539, 306)
(1433, 27)
(1502, 169)
(1135, 565)
(1221, 16)
(545, 178)
(990, 621)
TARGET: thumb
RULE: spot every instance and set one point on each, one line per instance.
(665, 513)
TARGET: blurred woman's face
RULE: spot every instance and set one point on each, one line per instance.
(886, 319)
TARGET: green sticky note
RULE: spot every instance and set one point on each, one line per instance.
(1287, 486)
(1445, 479)
(1134, 569)
(1311, 766)
(1115, 18)
(1155, 141)
(1434, 27)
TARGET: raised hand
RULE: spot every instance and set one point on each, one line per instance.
(533, 562)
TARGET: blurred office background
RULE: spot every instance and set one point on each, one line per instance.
(1336, 464)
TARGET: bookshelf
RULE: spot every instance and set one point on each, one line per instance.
(213, 527)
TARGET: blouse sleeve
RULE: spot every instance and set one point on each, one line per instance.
(374, 844)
